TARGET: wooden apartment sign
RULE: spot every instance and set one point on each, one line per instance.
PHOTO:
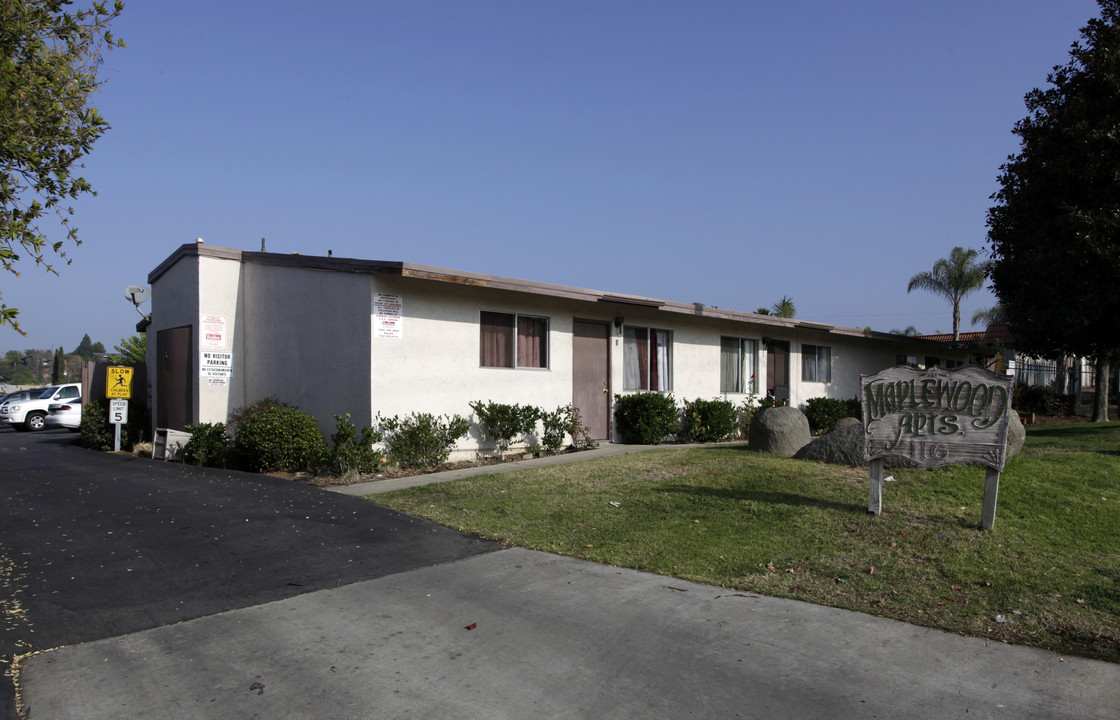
(936, 417)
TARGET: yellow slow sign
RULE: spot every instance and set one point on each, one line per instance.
(118, 382)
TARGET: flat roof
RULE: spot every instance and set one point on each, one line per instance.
(461, 277)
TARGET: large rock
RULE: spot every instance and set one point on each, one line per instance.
(779, 430)
(843, 446)
(1016, 435)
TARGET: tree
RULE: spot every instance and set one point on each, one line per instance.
(784, 308)
(910, 331)
(49, 63)
(953, 278)
(989, 316)
(56, 371)
(1054, 229)
(85, 348)
(131, 350)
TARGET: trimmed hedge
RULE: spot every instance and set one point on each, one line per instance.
(280, 438)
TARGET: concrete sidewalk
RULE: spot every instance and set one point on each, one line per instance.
(522, 634)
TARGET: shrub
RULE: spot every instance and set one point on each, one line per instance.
(565, 420)
(353, 449)
(554, 426)
(822, 412)
(208, 445)
(1041, 399)
(279, 438)
(238, 414)
(96, 432)
(421, 440)
(645, 418)
(501, 423)
(708, 420)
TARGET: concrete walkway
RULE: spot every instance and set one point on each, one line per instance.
(521, 634)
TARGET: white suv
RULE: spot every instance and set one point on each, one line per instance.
(32, 414)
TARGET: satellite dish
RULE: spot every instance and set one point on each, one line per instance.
(138, 294)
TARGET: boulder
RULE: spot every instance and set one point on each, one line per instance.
(843, 446)
(843, 423)
(1016, 436)
(779, 430)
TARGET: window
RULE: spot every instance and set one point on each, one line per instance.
(816, 363)
(508, 340)
(910, 360)
(647, 359)
(738, 365)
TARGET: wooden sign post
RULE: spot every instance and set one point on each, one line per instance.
(935, 418)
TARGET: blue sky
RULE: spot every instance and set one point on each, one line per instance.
(727, 153)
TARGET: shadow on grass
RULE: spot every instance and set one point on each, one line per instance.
(769, 497)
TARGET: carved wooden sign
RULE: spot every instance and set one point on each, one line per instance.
(936, 417)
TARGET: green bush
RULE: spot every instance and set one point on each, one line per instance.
(279, 438)
(565, 420)
(238, 414)
(501, 423)
(421, 440)
(822, 412)
(97, 433)
(353, 449)
(645, 418)
(708, 420)
(208, 445)
(1041, 399)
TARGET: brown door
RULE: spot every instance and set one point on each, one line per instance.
(591, 347)
(174, 378)
(777, 370)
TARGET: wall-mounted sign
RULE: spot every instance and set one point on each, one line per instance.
(936, 417)
(215, 367)
(387, 316)
(212, 332)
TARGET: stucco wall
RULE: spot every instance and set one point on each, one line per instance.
(174, 304)
(306, 338)
(434, 366)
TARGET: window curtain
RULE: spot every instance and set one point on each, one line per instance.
(532, 342)
(730, 368)
(496, 346)
(750, 366)
(824, 364)
(634, 353)
(659, 367)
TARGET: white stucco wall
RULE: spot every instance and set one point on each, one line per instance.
(174, 304)
(306, 338)
(434, 366)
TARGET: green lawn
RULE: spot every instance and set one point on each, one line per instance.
(1048, 574)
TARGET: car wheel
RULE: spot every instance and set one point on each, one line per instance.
(36, 421)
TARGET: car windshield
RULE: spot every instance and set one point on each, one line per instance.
(48, 392)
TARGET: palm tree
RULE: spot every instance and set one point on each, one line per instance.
(954, 278)
(783, 308)
(989, 316)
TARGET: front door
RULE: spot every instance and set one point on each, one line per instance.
(777, 370)
(591, 347)
(174, 378)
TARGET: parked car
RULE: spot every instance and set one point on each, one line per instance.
(31, 414)
(67, 415)
(17, 397)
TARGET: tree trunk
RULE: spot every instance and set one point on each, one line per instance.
(1100, 395)
(1062, 381)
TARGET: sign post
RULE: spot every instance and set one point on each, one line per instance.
(935, 418)
(118, 415)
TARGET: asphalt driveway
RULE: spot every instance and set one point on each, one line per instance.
(96, 545)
